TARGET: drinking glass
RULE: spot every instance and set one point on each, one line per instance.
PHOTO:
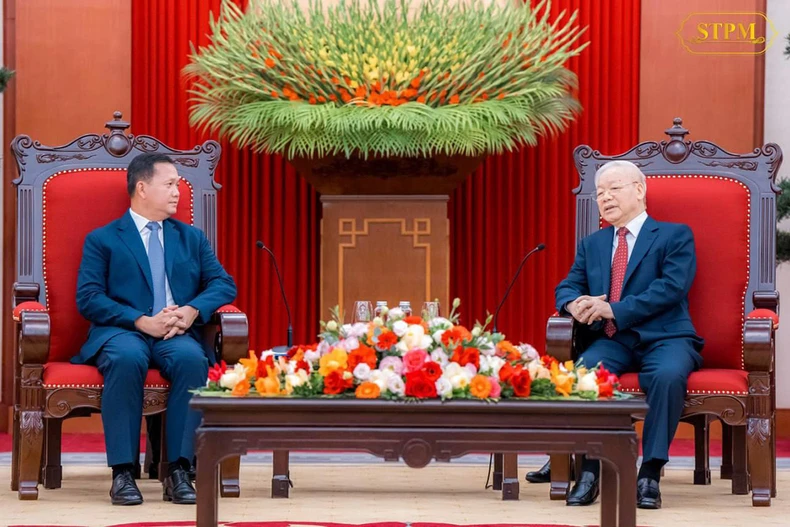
(430, 310)
(363, 311)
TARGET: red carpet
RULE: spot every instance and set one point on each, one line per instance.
(95, 443)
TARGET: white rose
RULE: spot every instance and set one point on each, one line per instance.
(402, 347)
(396, 386)
(362, 371)
(395, 313)
(379, 378)
(414, 337)
(487, 348)
(476, 331)
(293, 381)
(345, 329)
(331, 326)
(459, 381)
(439, 356)
(233, 377)
(452, 369)
(491, 365)
(444, 388)
(528, 352)
(350, 344)
(472, 369)
(399, 328)
(358, 329)
(426, 342)
(437, 335)
(588, 383)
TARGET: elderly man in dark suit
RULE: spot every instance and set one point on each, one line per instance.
(146, 283)
(629, 287)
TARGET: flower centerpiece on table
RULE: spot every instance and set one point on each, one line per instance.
(408, 357)
(386, 77)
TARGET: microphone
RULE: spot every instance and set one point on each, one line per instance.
(539, 248)
(290, 337)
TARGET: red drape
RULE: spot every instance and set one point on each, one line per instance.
(512, 203)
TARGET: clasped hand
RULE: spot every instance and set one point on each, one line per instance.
(589, 309)
(171, 321)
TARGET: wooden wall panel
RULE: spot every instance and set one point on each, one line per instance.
(73, 69)
(719, 97)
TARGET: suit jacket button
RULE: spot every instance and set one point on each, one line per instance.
(150, 309)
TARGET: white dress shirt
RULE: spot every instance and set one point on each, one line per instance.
(145, 233)
(633, 226)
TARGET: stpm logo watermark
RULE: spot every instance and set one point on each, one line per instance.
(726, 33)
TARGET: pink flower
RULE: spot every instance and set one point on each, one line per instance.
(414, 360)
(391, 363)
(496, 388)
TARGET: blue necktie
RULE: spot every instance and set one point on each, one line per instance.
(156, 258)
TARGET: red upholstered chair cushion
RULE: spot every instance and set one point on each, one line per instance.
(765, 313)
(717, 210)
(64, 374)
(705, 381)
(75, 202)
(27, 306)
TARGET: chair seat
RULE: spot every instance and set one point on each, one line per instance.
(702, 382)
(67, 375)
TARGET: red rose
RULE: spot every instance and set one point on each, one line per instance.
(334, 383)
(522, 383)
(470, 356)
(216, 371)
(605, 390)
(419, 385)
(433, 370)
(506, 372)
(302, 365)
(264, 366)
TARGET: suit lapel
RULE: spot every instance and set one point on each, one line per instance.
(644, 241)
(127, 231)
(172, 241)
(605, 255)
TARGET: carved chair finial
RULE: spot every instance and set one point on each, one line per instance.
(676, 150)
(117, 143)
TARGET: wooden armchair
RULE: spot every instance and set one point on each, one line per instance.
(62, 194)
(728, 200)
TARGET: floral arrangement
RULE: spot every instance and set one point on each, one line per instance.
(402, 357)
(385, 77)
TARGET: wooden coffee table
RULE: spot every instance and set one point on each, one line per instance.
(419, 433)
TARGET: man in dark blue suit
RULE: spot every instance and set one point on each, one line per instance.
(629, 287)
(147, 283)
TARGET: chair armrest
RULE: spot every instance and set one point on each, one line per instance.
(227, 333)
(25, 292)
(759, 343)
(559, 338)
(32, 329)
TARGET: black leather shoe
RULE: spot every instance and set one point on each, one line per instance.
(192, 473)
(178, 489)
(124, 490)
(648, 494)
(585, 491)
(542, 475)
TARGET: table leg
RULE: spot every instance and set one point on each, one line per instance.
(497, 471)
(206, 481)
(229, 477)
(609, 491)
(560, 476)
(510, 486)
(624, 463)
(280, 474)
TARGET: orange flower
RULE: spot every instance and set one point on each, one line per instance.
(421, 99)
(312, 99)
(337, 359)
(415, 83)
(455, 99)
(274, 53)
(376, 86)
(509, 351)
(250, 364)
(386, 340)
(270, 62)
(241, 389)
(409, 93)
(361, 92)
(480, 387)
(362, 354)
(321, 98)
(367, 390)
(275, 94)
(268, 385)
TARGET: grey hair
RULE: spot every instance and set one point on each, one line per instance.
(626, 167)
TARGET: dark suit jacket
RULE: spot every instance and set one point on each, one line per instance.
(654, 299)
(114, 282)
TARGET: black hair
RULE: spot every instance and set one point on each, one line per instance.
(142, 169)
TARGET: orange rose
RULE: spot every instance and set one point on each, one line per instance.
(241, 389)
(508, 350)
(368, 390)
(362, 354)
(268, 385)
(480, 387)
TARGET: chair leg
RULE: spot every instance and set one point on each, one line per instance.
(163, 461)
(497, 471)
(773, 457)
(15, 446)
(153, 436)
(701, 449)
(740, 473)
(53, 470)
(726, 451)
(229, 469)
(31, 446)
(560, 476)
(759, 434)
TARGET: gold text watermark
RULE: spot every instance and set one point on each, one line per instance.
(726, 33)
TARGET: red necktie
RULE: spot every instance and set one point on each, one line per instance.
(619, 264)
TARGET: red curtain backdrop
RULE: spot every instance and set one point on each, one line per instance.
(511, 204)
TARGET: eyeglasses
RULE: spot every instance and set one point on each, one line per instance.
(613, 191)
